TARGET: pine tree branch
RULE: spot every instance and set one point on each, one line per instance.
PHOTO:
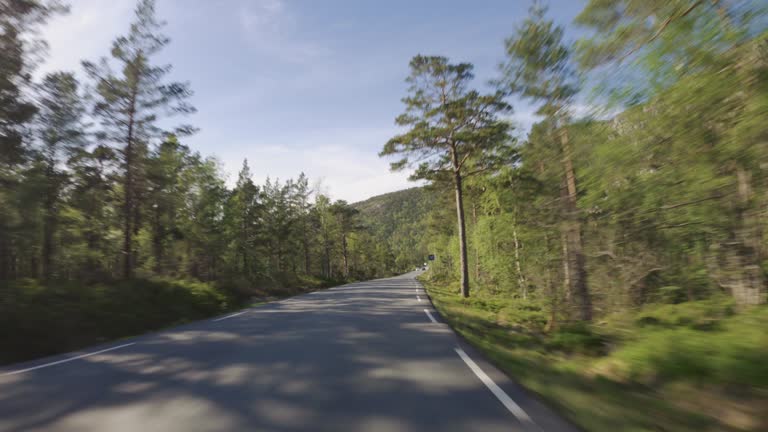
(661, 28)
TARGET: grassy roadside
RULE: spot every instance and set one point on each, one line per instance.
(695, 366)
(39, 319)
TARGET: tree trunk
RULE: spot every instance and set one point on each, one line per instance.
(575, 250)
(462, 234)
(743, 275)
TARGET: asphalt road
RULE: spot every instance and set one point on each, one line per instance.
(360, 357)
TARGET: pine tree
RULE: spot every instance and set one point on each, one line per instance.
(538, 67)
(61, 132)
(19, 21)
(454, 132)
(129, 103)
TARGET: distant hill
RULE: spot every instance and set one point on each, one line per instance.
(380, 205)
(398, 220)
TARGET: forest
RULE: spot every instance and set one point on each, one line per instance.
(110, 225)
(613, 256)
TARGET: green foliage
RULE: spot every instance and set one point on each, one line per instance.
(454, 133)
(576, 338)
(632, 363)
(397, 229)
(701, 341)
(41, 319)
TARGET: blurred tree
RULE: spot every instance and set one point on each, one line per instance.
(538, 66)
(128, 104)
(454, 132)
(61, 131)
(347, 224)
(19, 20)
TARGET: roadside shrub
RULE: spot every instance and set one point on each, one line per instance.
(45, 318)
(576, 338)
(702, 314)
(683, 344)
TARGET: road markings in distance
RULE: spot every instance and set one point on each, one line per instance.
(430, 316)
(229, 316)
(418, 298)
(66, 360)
(503, 397)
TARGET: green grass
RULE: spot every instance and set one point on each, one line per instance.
(697, 366)
(39, 319)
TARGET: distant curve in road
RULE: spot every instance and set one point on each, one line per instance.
(369, 356)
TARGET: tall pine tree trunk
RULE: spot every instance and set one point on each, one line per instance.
(575, 258)
(462, 228)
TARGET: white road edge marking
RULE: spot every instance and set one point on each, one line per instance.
(503, 397)
(229, 316)
(430, 316)
(66, 360)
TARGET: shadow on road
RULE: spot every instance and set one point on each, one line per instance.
(362, 357)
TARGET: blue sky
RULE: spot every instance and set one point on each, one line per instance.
(303, 85)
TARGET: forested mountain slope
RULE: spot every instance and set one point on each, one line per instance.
(397, 220)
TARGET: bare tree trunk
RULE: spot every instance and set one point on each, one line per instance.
(743, 275)
(462, 235)
(575, 249)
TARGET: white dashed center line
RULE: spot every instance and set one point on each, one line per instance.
(431, 318)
